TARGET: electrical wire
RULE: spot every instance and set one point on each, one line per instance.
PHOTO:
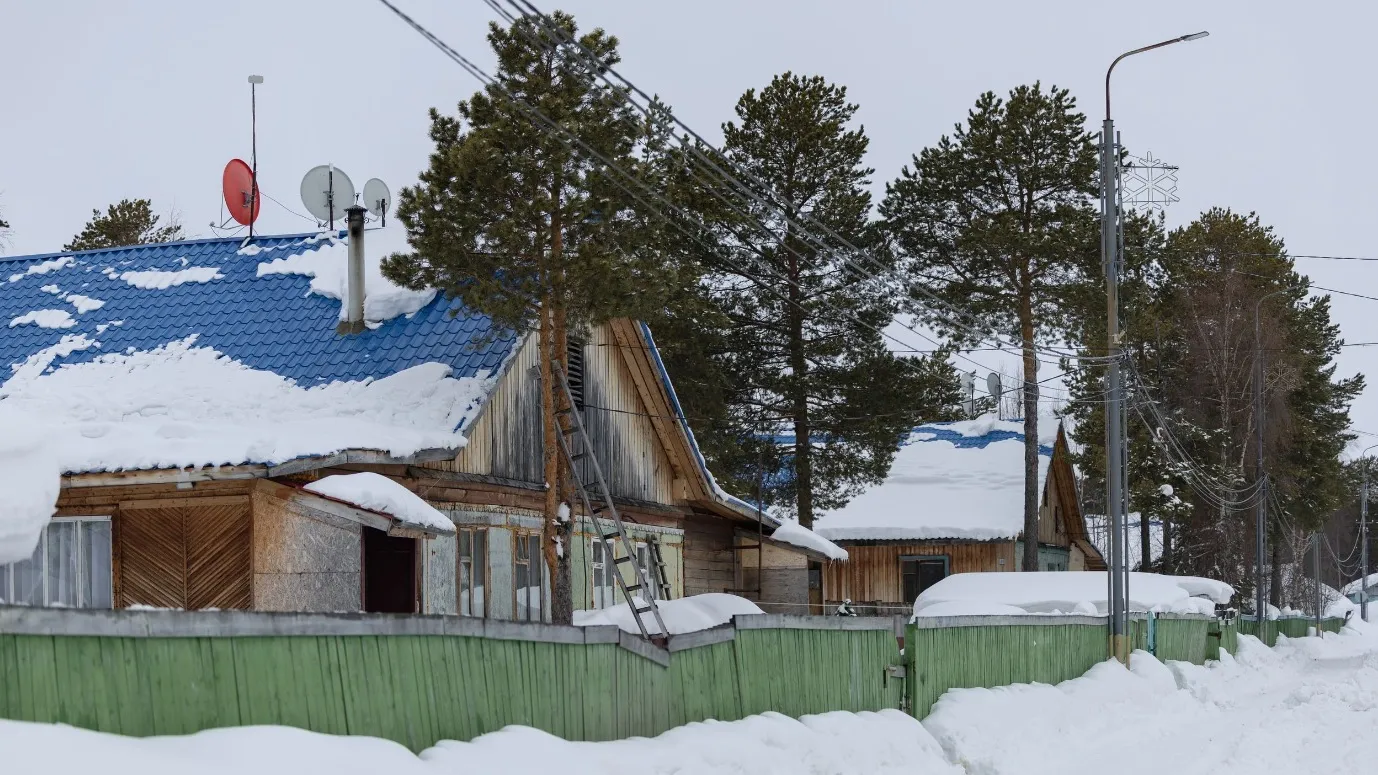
(627, 88)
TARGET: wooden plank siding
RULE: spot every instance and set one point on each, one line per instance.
(710, 564)
(872, 573)
(505, 440)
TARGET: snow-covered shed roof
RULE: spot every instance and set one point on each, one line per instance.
(217, 352)
(954, 480)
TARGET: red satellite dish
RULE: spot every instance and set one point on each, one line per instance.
(240, 192)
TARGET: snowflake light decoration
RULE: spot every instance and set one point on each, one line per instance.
(1148, 183)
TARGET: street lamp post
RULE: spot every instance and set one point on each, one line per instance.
(1261, 482)
(1114, 431)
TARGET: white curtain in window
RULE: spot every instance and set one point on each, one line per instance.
(95, 559)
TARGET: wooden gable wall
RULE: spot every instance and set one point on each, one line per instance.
(505, 440)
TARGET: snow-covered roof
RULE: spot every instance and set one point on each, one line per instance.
(218, 352)
(376, 492)
(225, 352)
(1067, 592)
(1356, 586)
(795, 534)
(956, 480)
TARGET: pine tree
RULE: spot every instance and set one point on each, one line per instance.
(534, 231)
(997, 220)
(800, 351)
(129, 222)
(1189, 324)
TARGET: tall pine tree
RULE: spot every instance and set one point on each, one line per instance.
(997, 219)
(128, 222)
(800, 351)
(532, 230)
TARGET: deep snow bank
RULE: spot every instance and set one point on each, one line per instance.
(831, 743)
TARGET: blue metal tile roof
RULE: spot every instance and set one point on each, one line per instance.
(943, 432)
(270, 323)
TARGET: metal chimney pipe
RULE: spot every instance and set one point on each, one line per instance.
(354, 305)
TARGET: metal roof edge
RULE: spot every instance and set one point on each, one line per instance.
(197, 241)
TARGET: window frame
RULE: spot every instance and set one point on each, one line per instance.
(41, 549)
(604, 568)
(462, 562)
(528, 540)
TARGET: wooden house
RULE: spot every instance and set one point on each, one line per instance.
(189, 392)
(953, 503)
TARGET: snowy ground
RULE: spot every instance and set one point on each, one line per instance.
(1307, 706)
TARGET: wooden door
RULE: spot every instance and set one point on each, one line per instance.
(189, 557)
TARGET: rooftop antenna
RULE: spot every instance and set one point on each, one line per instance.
(254, 81)
(377, 198)
(327, 192)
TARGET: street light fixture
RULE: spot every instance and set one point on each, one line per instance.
(1114, 431)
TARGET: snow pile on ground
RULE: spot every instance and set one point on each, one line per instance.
(944, 483)
(832, 743)
(687, 614)
(795, 534)
(1307, 706)
(1067, 592)
(180, 405)
(29, 483)
(328, 268)
(158, 280)
(376, 492)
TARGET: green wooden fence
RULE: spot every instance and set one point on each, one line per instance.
(944, 653)
(1290, 626)
(417, 680)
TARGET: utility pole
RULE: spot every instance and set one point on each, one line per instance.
(1316, 568)
(1260, 479)
(1363, 538)
(1115, 453)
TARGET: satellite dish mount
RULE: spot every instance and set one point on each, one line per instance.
(327, 192)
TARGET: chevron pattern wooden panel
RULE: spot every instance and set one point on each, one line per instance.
(187, 557)
(219, 544)
(153, 558)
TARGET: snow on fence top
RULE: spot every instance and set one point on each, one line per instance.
(376, 492)
(186, 354)
(1082, 592)
(960, 480)
(688, 614)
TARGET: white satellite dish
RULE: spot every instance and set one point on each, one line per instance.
(327, 192)
(377, 198)
(993, 386)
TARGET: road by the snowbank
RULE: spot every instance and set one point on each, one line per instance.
(1308, 706)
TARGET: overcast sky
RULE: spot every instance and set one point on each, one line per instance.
(105, 100)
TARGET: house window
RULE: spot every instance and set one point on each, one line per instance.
(530, 578)
(604, 585)
(473, 571)
(643, 557)
(69, 568)
(918, 573)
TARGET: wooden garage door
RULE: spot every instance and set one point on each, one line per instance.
(187, 557)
